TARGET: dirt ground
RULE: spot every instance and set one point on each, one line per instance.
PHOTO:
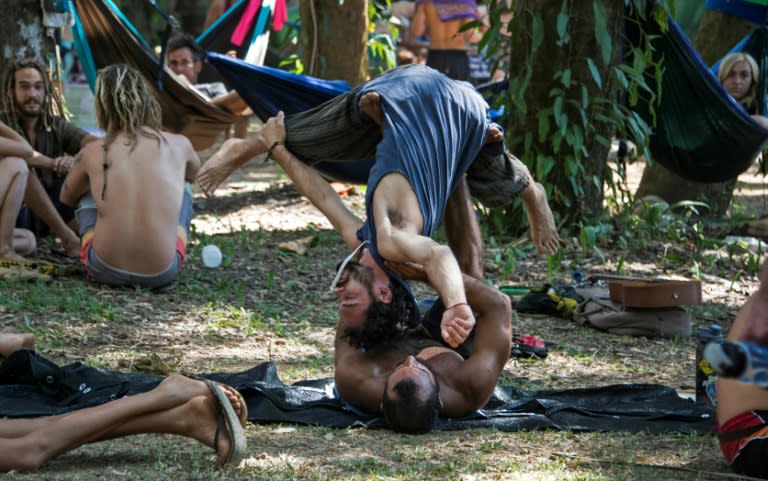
(267, 302)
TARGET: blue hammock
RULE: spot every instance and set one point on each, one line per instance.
(701, 133)
(269, 90)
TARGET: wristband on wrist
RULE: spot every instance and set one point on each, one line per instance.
(457, 305)
(273, 147)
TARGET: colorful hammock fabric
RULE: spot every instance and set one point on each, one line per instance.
(184, 110)
(269, 90)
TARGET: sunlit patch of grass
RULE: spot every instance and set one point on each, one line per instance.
(43, 299)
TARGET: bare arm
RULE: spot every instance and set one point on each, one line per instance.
(763, 121)
(476, 379)
(232, 102)
(192, 165)
(216, 10)
(419, 22)
(61, 164)
(355, 382)
(77, 184)
(441, 268)
(13, 144)
(438, 261)
(311, 184)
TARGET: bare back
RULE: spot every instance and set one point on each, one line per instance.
(442, 35)
(138, 213)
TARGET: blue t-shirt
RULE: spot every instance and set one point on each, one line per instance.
(434, 129)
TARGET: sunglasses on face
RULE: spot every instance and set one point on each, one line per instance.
(347, 260)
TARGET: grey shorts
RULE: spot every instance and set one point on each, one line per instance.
(101, 272)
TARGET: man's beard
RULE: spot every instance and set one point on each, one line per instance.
(24, 110)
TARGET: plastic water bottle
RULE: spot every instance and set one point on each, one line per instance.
(211, 256)
(705, 375)
(745, 362)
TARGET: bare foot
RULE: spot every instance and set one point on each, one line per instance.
(10, 255)
(232, 154)
(541, 222)
(200, 417)
(176, 390)
(370, 104)
(71, 245)
(11, 341)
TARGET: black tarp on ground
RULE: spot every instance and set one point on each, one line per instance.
(30, 386)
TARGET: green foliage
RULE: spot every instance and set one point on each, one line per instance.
(581, 113)
(293, 64)
(382, 51)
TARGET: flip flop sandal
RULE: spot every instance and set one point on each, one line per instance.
(228, 418)
(528, 347)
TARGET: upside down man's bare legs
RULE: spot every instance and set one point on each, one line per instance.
(232, 155)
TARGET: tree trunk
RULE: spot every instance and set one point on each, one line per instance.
(334, 39)
(24, 33)
(577, 177)
(717, 33)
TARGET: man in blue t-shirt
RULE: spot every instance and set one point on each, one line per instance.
(419, 131)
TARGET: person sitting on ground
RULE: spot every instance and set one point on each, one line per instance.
(740, 77)
(421, 377)
(185, 58)
(32, 108)
(134, 207)
(742, 409)
(407, 96)
(14, 154)
(214, 414)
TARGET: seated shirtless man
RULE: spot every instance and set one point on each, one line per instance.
(414, 379)
(417, 165)
(134, 207)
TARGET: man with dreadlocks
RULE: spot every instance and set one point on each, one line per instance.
(134, 207)
(414, 379)
(32, 107)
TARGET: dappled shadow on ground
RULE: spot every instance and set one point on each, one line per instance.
(269, 303)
